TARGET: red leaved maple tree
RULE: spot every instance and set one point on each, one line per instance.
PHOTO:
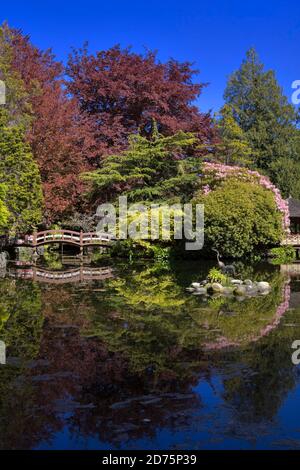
(59, 135)
(123, 92)
(80, 118)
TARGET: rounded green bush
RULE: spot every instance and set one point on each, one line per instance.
(240, 217)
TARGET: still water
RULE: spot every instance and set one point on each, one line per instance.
(122, 357)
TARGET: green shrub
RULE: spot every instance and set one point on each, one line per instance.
(215, 275)
(283, 254)
(135, 249)
(239, 218)
(20, 175)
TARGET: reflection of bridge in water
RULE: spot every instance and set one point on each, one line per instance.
(78, 274)
(292, 269)
(2, 352)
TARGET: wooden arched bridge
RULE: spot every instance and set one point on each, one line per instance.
(68, 237)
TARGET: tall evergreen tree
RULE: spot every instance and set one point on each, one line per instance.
(17, 107)
(262, 111)
(4, 213)
(59, 137)
(234, 148)
(20, 176)
(285, 173)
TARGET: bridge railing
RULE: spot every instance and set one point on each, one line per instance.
(56, 235)
(96, 236)
(68, 236)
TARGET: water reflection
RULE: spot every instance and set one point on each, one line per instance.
(2, 352)
(135, 361)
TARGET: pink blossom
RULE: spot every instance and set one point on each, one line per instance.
(206, 189)
(220, 171)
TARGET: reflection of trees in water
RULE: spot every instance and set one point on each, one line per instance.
(21, 320)
(96, 388)
(144, 318)
(108, 399)
(265, 373)
(119, 360)
(86, 376)
(230, 322)
(21, 329)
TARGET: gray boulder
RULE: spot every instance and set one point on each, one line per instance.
(201, 291)
(251, 290)
(240, 291)
(217, 287)
(228, 290)
(190, 289)
(263, 287)
(236, 281)
(196, 285)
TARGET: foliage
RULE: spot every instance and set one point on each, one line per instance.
(81, 221)
(52, 258)
(21, 320)
(123, 92)
(240, 217)
(215, 275)
(19, 172)
(234, 148)
(149, 345)
(150, 170)
(215, 173)
(285, 172)
(262, 111)
(17, 108)
(239, 323)
(4, 212)
(137, 249)
(144, 318)
(283, 254)
(60, 139)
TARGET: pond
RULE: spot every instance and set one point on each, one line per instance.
(123, 357)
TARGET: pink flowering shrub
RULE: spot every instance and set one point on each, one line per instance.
(216, 172)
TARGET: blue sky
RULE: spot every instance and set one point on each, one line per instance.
(214, 35)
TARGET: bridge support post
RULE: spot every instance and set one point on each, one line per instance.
(34, 238)
(81, 244)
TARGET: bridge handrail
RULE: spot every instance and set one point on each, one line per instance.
(60, 235)
(102, 234)
(57, 231)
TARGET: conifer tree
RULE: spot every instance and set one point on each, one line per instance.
(234, 149)
(20, 175)
(262, 111)
(4, 213)
(151, 169)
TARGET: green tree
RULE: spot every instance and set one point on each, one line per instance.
(234, 148)
(156, 169)
(17, 108)
(20, 174)
(262, 111)
(4, 213)
(285, 173)
(240, 218)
